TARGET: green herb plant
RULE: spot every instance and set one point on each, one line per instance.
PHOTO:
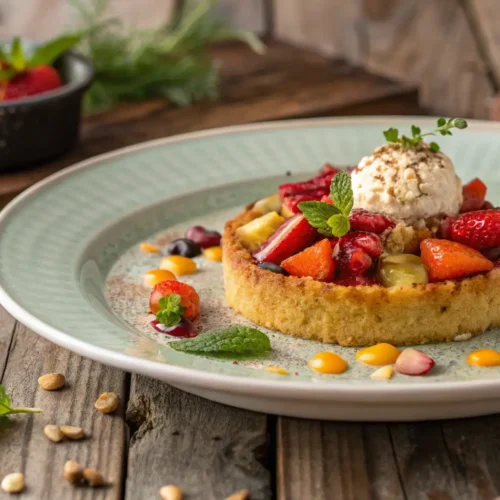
(172, 62)
(443, 127)
(237, 340)
(332, 220)
(6, 408)
(171, 310)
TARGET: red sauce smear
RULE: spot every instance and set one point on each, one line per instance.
(184, 329)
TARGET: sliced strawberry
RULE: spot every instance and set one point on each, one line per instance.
(445, 227)
(292, 201)
(447, 260)
(356, 281)
(316, 184)
(373, 222)
(328, 169)
(414, 362)
(189, 297)
(474, 195)
(479, 230)
(292, 236)
(315, 262)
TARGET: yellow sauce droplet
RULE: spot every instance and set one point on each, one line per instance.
(155, 276)
(484, 357)
(149, 248)
(379, 354)
(328, 362)
(276, 369)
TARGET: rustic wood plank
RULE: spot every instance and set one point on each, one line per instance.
(208, 450)
(455, 460)
(243, 14)
(7, 324)
(24, 445)
(324, 460)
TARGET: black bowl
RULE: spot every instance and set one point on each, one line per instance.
(45, 126)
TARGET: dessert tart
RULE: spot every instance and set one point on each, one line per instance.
(394, 250)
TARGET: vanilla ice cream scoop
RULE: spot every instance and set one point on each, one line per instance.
(407, 184)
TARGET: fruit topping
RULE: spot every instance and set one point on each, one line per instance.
(315, 262)
(328, 362)
(379, 354)
(178, 265)
(155, 276)
(213, 253)
(184, 247)
(149, 248)
(329, 169)
(448, 260)
(183, 329)
(320, 182)
(290, 203)
(474, 196)
(484, 357)
(414, 362)
(479, 230)
(354, 253)
(204, 237)
(269, 266)
(384, 373)
(356, 281)
(363, 220)
(257, 231)
(292, 236)
(402, 270)
(189, 297)
(270, 204)
(492, 254)
(445, 227)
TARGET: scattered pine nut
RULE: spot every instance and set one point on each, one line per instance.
(72, 471)
(93, 477)
(276, 369)
(53, 433)
(13, 483)
(107, 402)
(171, 492)
(52, 381)
(240, 495)
(383, 373)
(149, 248)
(71, 432)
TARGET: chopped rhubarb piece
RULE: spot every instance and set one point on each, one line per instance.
(479, 230)
(373, 222)
(316, 262)
(413, 362)
(474, 196)
(292, 236)
(447, 260)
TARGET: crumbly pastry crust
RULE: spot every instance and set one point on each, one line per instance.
(356, 316)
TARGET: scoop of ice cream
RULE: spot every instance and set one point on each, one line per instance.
(407, 184)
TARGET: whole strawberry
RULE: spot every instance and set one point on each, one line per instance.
(479, 230)
(24, 75)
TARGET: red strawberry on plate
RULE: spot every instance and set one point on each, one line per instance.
(315, 262)
(363, 220)
(474, 195)
(292, 236)
(479, 229)
(32, 82)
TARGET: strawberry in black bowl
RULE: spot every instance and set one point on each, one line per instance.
(41, 91)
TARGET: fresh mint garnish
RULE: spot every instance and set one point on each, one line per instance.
(443, 127)
(171, 311)
(332, 220)
(237, 340)
(6, 408)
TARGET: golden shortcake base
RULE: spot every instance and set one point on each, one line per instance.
(360, 315)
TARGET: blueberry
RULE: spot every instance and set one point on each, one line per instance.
(184, 247)
(269, 266)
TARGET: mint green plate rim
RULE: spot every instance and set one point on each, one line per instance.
(469, 390)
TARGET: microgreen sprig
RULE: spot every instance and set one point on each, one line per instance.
(171, 310)
(443, 127)
(6, 408)
(332, 220)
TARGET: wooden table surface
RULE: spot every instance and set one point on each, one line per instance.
(161, 435)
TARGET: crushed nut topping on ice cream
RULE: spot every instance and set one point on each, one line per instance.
(407, 184)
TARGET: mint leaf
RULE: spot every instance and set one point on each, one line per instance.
(339, 225)
(341, 193)
(171, 311)
(17, 58)
(317, 214)
(46, 54)
(239, 340)
(6, 409)
(391, 135)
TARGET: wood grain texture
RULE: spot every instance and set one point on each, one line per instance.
(326, 460)
(285, 83)
(208, 450)
(7, 324)
(24, 447)
(244, 14)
